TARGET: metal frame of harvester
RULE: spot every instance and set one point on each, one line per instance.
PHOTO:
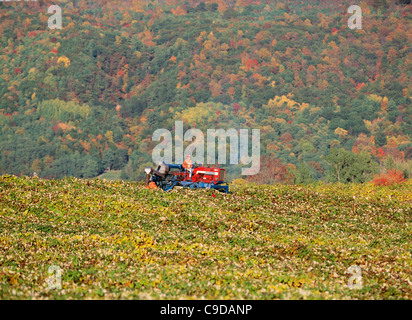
(200, 177)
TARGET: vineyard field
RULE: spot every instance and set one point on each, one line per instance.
(118, 240)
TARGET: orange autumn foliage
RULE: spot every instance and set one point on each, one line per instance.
(179, 11)
(391, 177)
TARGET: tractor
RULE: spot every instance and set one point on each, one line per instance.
(199, 177)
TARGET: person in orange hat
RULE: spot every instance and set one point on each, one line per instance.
(152, 185)
(188, 164)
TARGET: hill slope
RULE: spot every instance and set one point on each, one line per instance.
(119, 240)
(89, 96)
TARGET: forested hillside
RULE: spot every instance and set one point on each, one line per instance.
(331, 103)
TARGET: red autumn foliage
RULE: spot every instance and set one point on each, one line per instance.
(285, 173)
(387, 179)
(55, 129)
(251, 63)
(286, 137)
(316, 165)
(269, 168)
(236, 106)
(381, 153)
(360, 86)
(272, 170)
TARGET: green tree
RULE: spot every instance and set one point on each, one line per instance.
(124, 175)
(120, 159)
(380, 139)
(346, 166)
(108, 158)
(303, 174)
(90, 168)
